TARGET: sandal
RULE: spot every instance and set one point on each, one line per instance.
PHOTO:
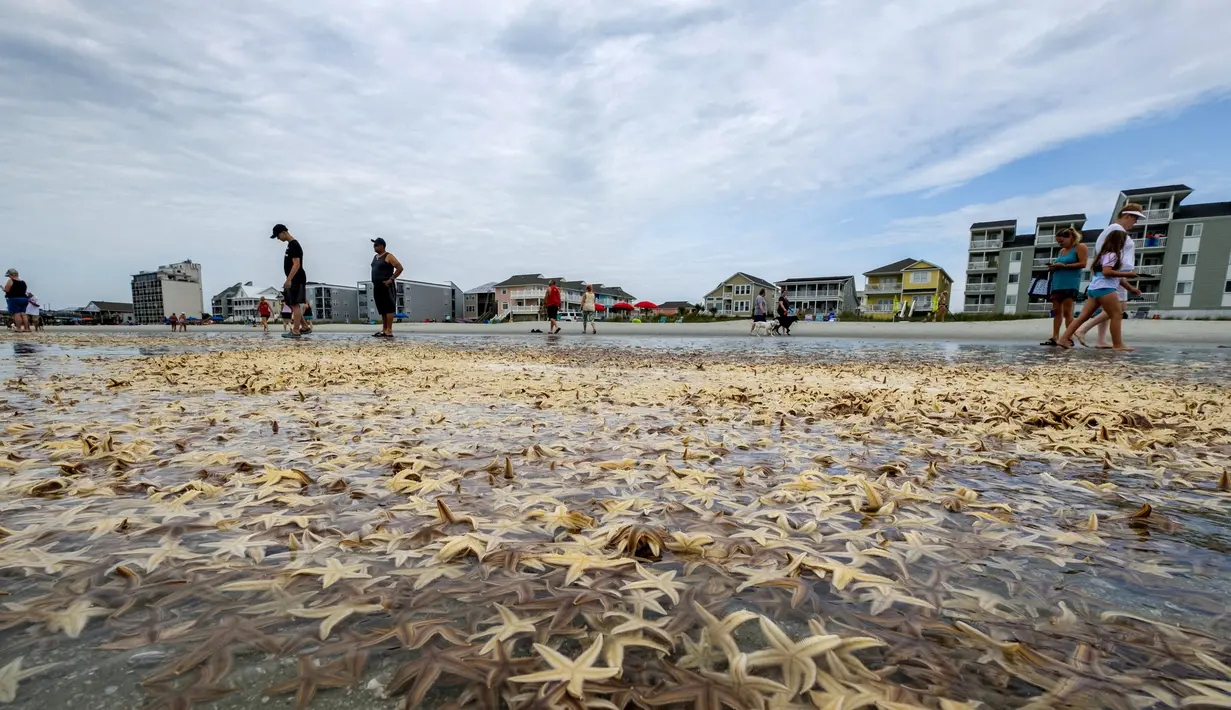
(1050, 342)
(1081, 340)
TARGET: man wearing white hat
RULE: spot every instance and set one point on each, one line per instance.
(1125, 221)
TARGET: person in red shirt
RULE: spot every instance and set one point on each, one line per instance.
(553, 306)
(264, 311)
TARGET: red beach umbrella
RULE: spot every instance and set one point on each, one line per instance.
(599, 307)
(621, 306)
(647, 305)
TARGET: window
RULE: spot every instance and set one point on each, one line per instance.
(1189, 259)
(1226, 287)
(1014, 278)
(921, 277)
(1193, 230)
(1183, 287)
(1015, 256)
(1010, 300)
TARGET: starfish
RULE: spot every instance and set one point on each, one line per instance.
(310, 679)
(578, 563)
(574, 672)
(751, 688)
(720, 630)
(613, 649)
(794, 658)
(12, 674)
(168, 697)
(414, 634)
(508, 627)
(425, 670)
(332, 615)
(704, 693)
(334, 571)
(659, 582)
(240, 547)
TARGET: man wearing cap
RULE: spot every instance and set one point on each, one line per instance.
(1125, 221)
(385, 271)
(295, 288)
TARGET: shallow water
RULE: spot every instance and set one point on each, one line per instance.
(989, 527)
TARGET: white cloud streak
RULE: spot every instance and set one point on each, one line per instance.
(486, 138)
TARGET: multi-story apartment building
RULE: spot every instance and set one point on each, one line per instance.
(735, 295)
(418, 301)
(238, 303)
(908, 286)
(820, 295)
(479, 303)
(170, 289)
(333, 304)
(1183, 256)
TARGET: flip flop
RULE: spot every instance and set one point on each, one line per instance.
(1080, 340)
(1051, 342)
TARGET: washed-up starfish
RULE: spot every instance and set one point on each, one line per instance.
(333, 615)
(422, 673)
(795, 658)
(660, 582)
(509, 626)
(574, 672)
(167, 697)
(310, 679)
(704, 693)
(13, 673)
(334, 571)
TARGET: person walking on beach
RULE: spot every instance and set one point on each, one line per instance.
(264, 311)
(759, 310)
(285, 313)
(942, 308)
(1111, 265)
(1126, 220)
(1065, 280)
(33, 312)
(588, 310)
(295, 288)
(385, 270)
(183, 322)
(785, 319)
(552, 302)
(16, 296)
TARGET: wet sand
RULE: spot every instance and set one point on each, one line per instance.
(1034, 331)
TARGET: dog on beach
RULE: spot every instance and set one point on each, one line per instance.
(765, 328)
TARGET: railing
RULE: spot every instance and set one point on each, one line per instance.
(981, 288)
(1145, 298)
(1144, 243)
(1045, 240)
(524, 309)
(1150, 270)
(981, 266)
(977, 244)
(979, 308)
(1156, 215)
(884, 288)
(883, 308)
(1042, 262)
(1039, 307)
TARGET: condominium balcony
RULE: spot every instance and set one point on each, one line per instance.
(1041, 262)
(1038, 307)
(1149, 270)
(527, 292)
(1159, 215)
(1145, 297)
(981, 288)
(524, 309)
(982, 244)
(1150, 242)
(979, 307)
(884, 287)
(979, 265)
(1045, 240)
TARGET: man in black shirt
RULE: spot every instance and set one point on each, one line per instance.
(295, 289)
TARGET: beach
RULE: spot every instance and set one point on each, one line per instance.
(1026, 332)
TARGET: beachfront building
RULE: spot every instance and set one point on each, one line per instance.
(735, 295)
(333, 304)
(906, 287)
(608, 296)
(238, 303)
(108, 312)
(521, 297)
(479, 303)
(820, 295)
(416, 301)
(167, 290)
(1183, 254)
(674, 308)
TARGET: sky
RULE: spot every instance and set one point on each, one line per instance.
(658, 145)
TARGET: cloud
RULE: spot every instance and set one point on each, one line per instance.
(489, 137)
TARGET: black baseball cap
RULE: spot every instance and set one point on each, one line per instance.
(379, 240)
(278, 229)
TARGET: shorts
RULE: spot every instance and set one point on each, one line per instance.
(587, 317)
(758, 319)
(1063, 294)
(17, 306)
(1097, 293)
(552, 312)
(385, 297)
(295, 294)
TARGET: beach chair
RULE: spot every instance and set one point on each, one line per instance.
(1141, 313)
(662, 319)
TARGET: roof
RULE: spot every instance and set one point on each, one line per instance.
(754, 279)
(488, 287)
(523, 279)
(1020, 240)
(322, 283)
(1065, 218)
(1205, 209)
(992, 225)
(612, 291)
(571, 285)
(817, 278)
(675, 304)
(1159, 189)
(1090, 236)
(111, 306)
(894, 268)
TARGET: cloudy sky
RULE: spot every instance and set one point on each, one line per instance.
(660, 145)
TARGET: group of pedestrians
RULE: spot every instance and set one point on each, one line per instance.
(1107, 294)
(22, 305)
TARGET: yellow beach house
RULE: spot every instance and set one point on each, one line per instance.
(906, 287)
